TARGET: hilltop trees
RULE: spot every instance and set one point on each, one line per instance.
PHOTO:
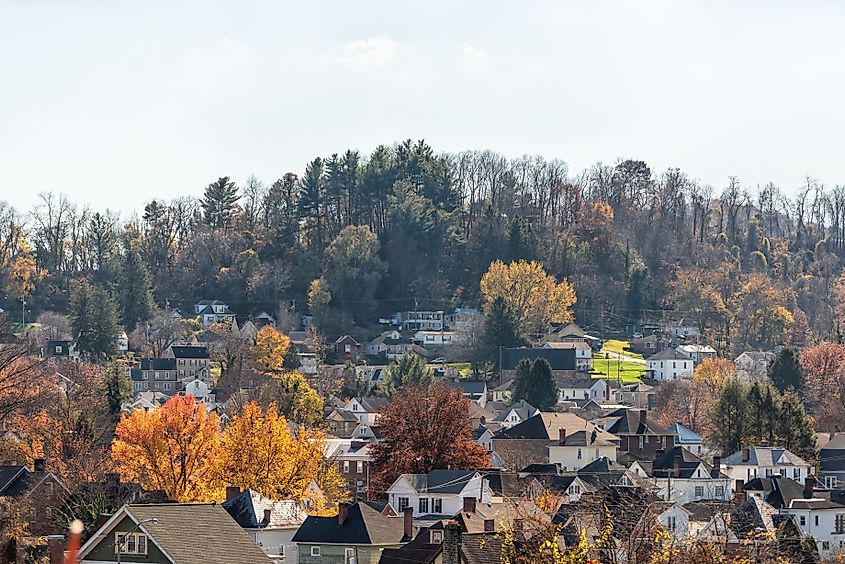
(93, 316)
(220, 203)
(352, 270)
(135, 290)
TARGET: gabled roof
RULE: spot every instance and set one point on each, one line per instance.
(778, 491)
(684, 435)
(522, 408)
(559, 359)
(578, 382)
(757, 356)
(372, 404)
(440, 481)
(187, 533)
(343, 338)
(248, 510)
(19, 481)
(8, 474)
(753, 515)
(158, 364)
(545, 426)
(765, 456)
(831, 455)
(189, 351)
(504, 387)
(669, 354)
(665, 465)
(586, 438)
(629, 422)
(363, 525)
(419, 551)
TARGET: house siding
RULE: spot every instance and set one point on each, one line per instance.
(336, 554)
(104, 551)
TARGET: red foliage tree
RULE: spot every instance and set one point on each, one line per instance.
(425, 429)
(823, 368)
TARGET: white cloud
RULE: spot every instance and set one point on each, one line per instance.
(473, 53)
(376, 50)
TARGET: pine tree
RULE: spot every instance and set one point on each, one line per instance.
(135, 291)
(408, 370)
(501, 329)
(94, 320)
(220, 203)
(311, 204)
(536, 384)
(784, 371)
(118, 388)
(729, 417)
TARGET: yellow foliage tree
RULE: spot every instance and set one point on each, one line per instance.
(169, 449)
(707, 380)
(534, 295)
(23, 273)
(259, 451)
(271, 347)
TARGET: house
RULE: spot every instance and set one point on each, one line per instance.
(566, 333)
(172, 533)
(581, 387)
(61, 349)
(650, 344)
(638, 436)
(155, 374)
(146, 400)
(503, 392)
(583, 353)
(669, 364)
(353, 462)
(765, 462)
(697, 352)
(753, 364)
(515, 414)
(38, 492)
(428, 339)
(573, 451)
(638, 396)
(392, 344)
(688, 439)
(192, 362)
(528, 442)
(683, 477)
(682, 331)
(832, 463)
(347, 349)
(366, 409)
(473, 390)
(210, 312)
(562, 361)
(341, 423)
(606, 472)
(419, 320)
(359, 533)
(464, 320)
(448, 544)
(270, 524)
(440, 492)
(264, 319)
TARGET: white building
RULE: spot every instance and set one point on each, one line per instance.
(575, 450)
(682, 477)
(366, 409)
(765, 462)
(515, 414)
(581, 387)
(753, 364)
(270, 524)
(440, 492)
(438, 338)
(697, 352)
(669, 364)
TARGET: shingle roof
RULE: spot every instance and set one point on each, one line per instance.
(9, 473)
(158, 364)
(669, 354)
(545, 426)
(585, 438)
(441, 481)
(363, 525)
(628, 422)
(780, 491)
(372, 404)
(765, 456)
(248, 510)
(481, 548)
(189, 351)
(831, 455)
(419, 550)
(664, 465)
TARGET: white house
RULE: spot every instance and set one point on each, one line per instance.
(270, 524)
(818, 515)
(580, 387)
(683, 477)
(366, 409)
(583, 352)
(438, 338)
(440, 492)
(575, 450)
(697, 352)
(213, 311)
(765, 462)
(669, 364)
(425, 320)
(515, 414)
(753, 364)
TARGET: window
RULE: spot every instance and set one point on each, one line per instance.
(720, 491)
(346, 467)
(402, 504)
(423, 505)
(574, 489)
(671, 523)
(436, 537)
(167, 385)
(802, 520)
(830, 482)
(281, 551)
(59, 349)
(796, 473)
(349, 555)
(579, 454)
(48, 487)
(768, 472)
(783, 472)
(315, 551)
(699, 491)
(347, 348)
(642, 442)
(825, 545)
(49, 513)
(816, 520)
(597, 454)
(157, 375)
(437, 506)
(360, 466)
(130, 543)
(840, 524)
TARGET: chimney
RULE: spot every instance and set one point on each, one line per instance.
(740, 498)
(676, 466)
(809, 486)
(561, 435)
(643, 413)
(739, 485)
(717, 463)
(38, 465)
(746, 455)
(451, 543)
(408, 516)
(342, 513)
(489, 526)
(469, 505)
(266, 516)
(56, 549)
(232, 491)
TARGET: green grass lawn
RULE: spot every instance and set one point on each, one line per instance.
(611, 368)
(464, 368)
(619, 347)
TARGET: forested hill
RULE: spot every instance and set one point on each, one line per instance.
(753, 266)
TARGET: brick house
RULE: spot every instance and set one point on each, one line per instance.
(637, 435)
(353, 463)
(346, 348)
(37, 492)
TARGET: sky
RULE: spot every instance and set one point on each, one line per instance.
(117, 103)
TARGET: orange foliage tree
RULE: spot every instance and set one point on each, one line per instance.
(823, 368)
(424, 429)
(170, 449)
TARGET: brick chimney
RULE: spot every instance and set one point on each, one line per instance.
(746, 455)
(342, 513)
(489, 525)
(267, 516)
(643, 416)
(809, 486)
(232, 491)
(740, 496)
(717, 463)
(451, 543)
(469, 505)
(561, 436)
(676, 466)
(408, 522)
(56, 548)
(39, 465)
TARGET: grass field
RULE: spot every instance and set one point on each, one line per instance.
(618, 347)
(464, 368)
(611, 368)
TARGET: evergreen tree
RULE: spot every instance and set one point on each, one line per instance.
(536, 384)
(220, 203)
(784, 370)
(410, 369)
(729, 415)
(135, 290)
(795, 428)
(521, 241)
(118, 388)
(311, 204)
(501, 329)
(93, 315)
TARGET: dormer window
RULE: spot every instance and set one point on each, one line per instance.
(435, 537)
(130, 543)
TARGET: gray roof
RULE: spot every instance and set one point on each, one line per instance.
(441, 481)
(363, 525)
(669, 354)
(248, 510)
(189, 351)
(765, 456)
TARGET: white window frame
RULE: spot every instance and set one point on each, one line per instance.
(436, 505)
(348, 555)
(435, 537)
(359, 466)
(346, 467)
(135, 538)
(315, 551)
(699, 489)
(402, 503)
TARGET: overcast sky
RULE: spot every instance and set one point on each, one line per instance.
(116, 103)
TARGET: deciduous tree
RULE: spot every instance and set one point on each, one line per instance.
(823, 369)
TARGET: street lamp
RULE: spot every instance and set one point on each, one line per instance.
(119, 543)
